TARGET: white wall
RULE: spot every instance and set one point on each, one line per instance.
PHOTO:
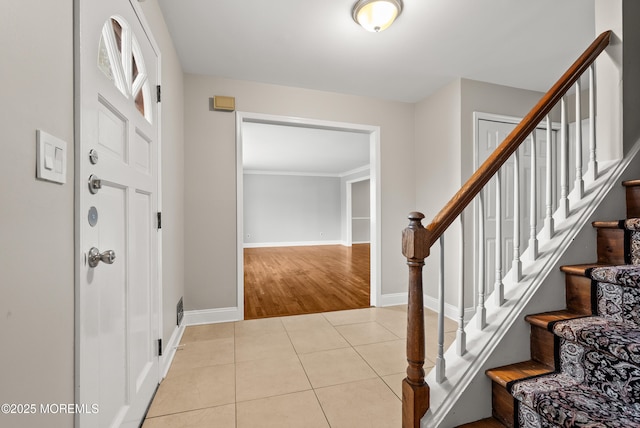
(210, 191)
(437, 155)
(36, 217)
(281, 209)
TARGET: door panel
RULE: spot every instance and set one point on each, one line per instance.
(112, 306)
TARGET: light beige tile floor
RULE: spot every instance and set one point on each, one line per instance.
(336, 369)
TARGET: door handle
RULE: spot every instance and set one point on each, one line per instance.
(95, 184)
(96, 257)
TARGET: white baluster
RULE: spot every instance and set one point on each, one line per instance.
(516, 267)
(533, 201)
(563, 206)
(548, 219)
(499, 287)
(579, 186)
(440, 361)
(461, 336)
(593, 163)
(481, 312)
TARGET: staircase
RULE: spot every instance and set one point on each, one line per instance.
(584, 369)
(452, 380)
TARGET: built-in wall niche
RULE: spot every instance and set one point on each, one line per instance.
(360, 212)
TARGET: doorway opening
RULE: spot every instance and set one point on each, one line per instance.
(267, 229)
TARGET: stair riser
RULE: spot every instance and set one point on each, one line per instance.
(503, 405)
(633, 201)
(610, 249)
(578, 293)
(542, 346)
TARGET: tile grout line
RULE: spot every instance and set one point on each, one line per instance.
(307, 374)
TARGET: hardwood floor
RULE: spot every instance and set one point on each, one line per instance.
(282, 281)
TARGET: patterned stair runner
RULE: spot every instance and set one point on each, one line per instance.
(598, 357)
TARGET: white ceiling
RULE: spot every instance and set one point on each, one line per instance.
(302, 150)
(316, 45)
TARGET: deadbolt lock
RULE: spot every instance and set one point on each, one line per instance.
(93, 156)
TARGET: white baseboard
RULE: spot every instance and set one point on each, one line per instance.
(450, 311)
(291, 244)
(211, 316)
(170, 350)
(393, 299)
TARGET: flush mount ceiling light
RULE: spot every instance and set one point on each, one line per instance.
(376, 15)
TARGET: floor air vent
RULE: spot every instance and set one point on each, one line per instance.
(180, 311)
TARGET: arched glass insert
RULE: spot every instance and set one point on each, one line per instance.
(120, 59)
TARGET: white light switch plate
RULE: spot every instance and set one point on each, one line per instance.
(51, 158)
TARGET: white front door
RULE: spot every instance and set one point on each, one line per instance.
(118, 290)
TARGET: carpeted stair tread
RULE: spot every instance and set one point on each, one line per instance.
(565, 402)
(623, 275)
(631, 224)
(616, 338)
(506, 374)
(543, 320)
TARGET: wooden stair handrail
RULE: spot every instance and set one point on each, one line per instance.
(417, 240)
(487, 170)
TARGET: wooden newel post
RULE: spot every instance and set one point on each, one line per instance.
(415, 391)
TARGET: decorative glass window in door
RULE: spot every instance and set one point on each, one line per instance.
(120, 59)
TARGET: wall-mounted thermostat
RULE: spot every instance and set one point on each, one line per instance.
(51, 158)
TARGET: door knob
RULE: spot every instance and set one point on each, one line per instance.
(96, 257)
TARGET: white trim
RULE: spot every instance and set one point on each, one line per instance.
(356, 171)
(212, 316)
(291, 244)
(376, 211)
(450, 311)
(157, 122)
(294, 173)
(348, 206)
(308, 174)
(394, 299)
(170, 350)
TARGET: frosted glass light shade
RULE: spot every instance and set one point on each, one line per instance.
(376, 15)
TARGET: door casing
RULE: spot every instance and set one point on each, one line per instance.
(374, 158)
